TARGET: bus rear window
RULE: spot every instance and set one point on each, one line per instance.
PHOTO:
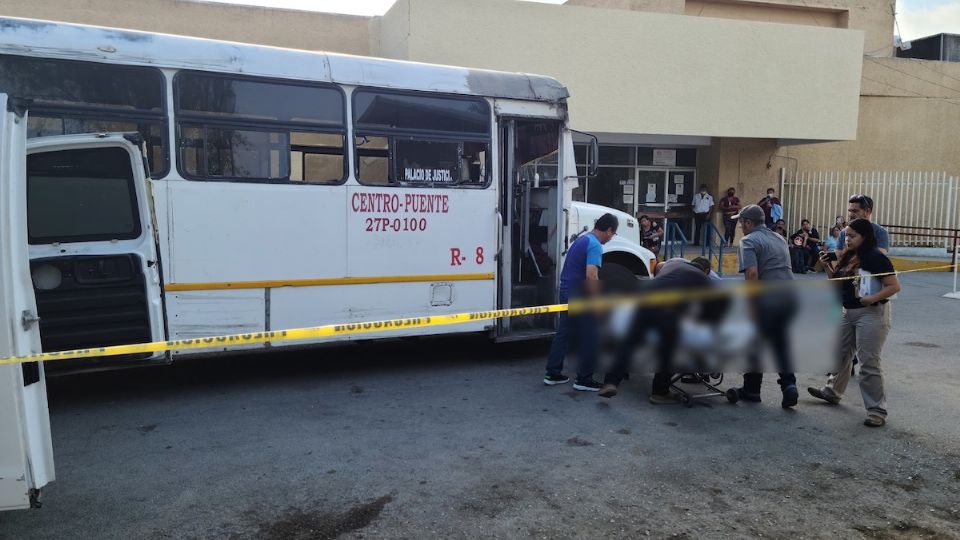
(82, 84)
(81, 195)
(69, 96)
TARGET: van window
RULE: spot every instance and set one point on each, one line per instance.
(81, 195)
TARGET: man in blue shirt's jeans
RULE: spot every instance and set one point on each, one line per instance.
(579, 279)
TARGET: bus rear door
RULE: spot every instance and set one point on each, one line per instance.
(92, 242)
(26, 451)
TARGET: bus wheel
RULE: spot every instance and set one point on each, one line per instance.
(617, 278)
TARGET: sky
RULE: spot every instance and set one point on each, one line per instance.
(916, 18)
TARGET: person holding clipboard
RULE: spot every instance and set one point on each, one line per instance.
(865, 321)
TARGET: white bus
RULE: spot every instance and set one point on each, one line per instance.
(159, 187)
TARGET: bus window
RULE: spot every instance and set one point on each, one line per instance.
(70, 97)
(153, 133)
(421, 140)
(256, 130)
(316, 157)
(373, 160)
(208, 152)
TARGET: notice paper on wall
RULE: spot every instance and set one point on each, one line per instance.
(651, 193)
(664, 157)
(679, 189)
(628, 189)
(628, 199)
(672, 198)
(678, 179)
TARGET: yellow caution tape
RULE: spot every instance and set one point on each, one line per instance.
(294, 334)
(654, 298)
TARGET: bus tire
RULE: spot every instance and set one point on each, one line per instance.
(617, 278)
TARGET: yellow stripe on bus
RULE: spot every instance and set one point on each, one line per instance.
(323, 282)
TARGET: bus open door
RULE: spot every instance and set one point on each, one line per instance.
(26, 451)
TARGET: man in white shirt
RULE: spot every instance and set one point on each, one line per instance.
(702, 208)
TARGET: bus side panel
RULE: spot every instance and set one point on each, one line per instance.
(421, 231)
(228, 232)
(197, 314)
(315, 306)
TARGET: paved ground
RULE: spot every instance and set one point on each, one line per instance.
(457, 438)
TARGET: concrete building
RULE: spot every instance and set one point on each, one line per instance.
(726, 93)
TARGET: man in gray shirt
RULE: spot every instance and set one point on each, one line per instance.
(764, 256)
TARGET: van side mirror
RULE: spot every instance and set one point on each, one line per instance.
(593, 156)
(594, 161)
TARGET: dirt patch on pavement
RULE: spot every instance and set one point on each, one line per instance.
(296, 523)
(901, 531)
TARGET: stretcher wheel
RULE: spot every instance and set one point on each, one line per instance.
(687, 402)
(732, 395)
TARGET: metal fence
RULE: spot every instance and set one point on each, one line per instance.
(918, 199)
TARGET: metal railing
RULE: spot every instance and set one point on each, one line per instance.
(674, 238)
(928, 199)
(708, 248)
(951, 237)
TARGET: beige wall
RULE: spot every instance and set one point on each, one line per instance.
(909, 120)
(277, 27)
(652, 6)
(775, 13)
(874, 17)
(652, 73)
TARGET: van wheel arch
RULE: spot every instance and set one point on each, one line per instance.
(626, 260)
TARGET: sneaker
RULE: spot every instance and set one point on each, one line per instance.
(748, 396)
(555, 379)
(820, 394)
(874, 420)
(587, 385)
(608, 391)
(790, 396)
(664, 399)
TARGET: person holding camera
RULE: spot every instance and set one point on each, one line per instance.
(869, 283)
(772, 208)
(804, 248)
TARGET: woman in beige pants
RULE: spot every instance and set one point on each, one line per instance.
(865, 321)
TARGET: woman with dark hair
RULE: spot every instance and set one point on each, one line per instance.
(651, 235)
(865, 320)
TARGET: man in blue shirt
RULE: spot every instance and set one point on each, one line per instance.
(580, 278)
(861, 207)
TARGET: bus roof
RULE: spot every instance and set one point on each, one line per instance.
(98, 44)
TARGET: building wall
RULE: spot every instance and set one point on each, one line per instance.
(909, 118)
(651, 6)
(265, 26)
(652, 73)
(873, 17)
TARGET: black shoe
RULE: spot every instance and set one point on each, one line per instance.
(553, 380)
(748, 396)
(790, 396)
(587, 385)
